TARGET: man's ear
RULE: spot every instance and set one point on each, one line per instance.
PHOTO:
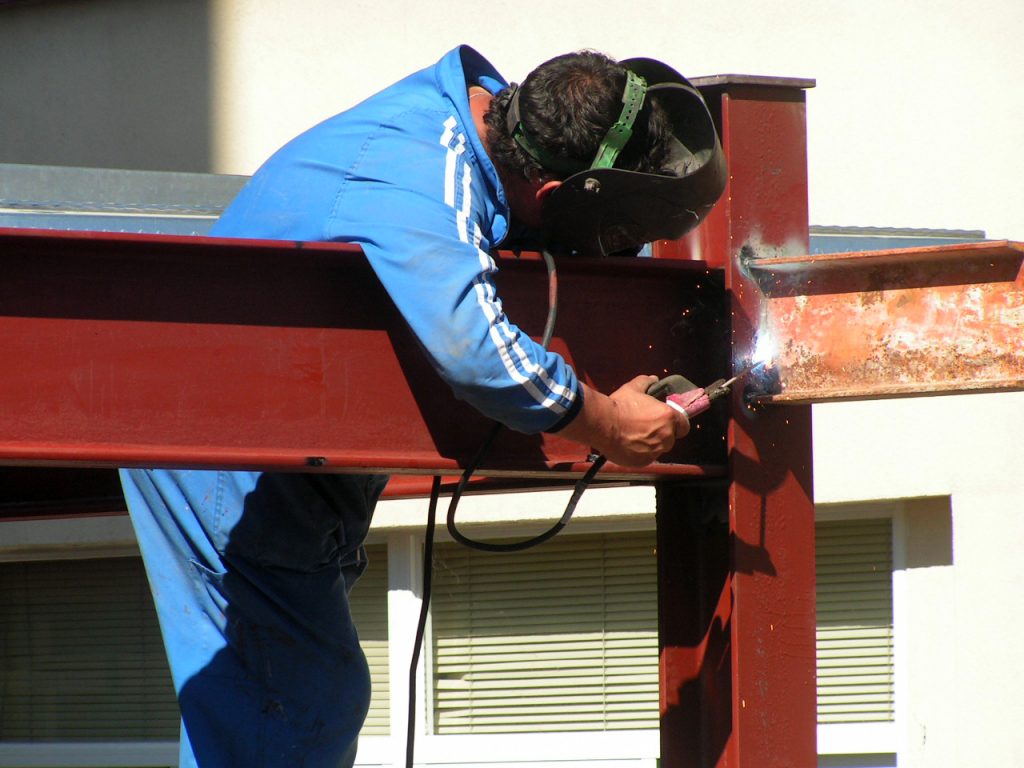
(546, 188)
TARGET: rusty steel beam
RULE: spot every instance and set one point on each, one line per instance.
(129, 350)
(896, 322)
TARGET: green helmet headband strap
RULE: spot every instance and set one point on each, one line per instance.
(618, 134)
(612, 144)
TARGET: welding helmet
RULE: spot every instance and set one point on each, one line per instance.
(602, 210)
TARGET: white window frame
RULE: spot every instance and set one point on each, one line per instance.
(112, 754)
(601, 510)
(853, 739)
(77, 538)
(112, 536)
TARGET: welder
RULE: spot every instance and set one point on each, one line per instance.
(250, 570)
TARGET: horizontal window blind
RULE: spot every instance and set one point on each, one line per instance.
(855, 637)
(369, 604)
(561, 637)
(80, 654)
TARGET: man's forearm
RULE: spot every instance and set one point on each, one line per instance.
(595, 425)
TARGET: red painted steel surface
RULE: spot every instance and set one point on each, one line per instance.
(177, 351)
(898, 322)
(737, 596)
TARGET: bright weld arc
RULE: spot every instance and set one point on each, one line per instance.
(761, 368)
(764, 350)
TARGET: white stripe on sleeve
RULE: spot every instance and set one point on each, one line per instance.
(512, 355)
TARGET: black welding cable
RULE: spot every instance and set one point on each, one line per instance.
(421, 624)
(518, 546)
(428, 570)
(581, 485)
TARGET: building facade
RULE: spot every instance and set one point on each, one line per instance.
(918, 500)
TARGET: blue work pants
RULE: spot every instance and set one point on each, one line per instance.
(250, 574)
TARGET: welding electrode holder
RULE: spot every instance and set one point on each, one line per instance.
(683, 395)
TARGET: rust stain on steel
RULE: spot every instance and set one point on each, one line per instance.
(907, 321)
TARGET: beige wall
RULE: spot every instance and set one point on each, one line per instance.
(960, 617)
(912, 122)
(915, 120)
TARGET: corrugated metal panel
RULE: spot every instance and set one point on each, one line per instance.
(113, 200)
(825, 239)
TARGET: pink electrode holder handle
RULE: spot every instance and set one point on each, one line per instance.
(692, 403)
(685, 396)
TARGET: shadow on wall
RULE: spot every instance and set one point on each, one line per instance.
(930, 532)
(106, 84)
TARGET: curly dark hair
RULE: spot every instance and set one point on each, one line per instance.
(567, 105)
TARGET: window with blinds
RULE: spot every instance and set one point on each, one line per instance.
(369, 603)
(80, 654)
(562, 637)
(81, 657)
(855, 637)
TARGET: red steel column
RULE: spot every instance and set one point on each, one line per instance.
(737, 561)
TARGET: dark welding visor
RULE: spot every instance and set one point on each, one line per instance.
(602, 211)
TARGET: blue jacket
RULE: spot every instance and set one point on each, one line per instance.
(405, 176)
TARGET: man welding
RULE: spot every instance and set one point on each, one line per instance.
(250, 570)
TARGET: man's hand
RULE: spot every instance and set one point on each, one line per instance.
(630, 427)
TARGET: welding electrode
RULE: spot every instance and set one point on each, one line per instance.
(683, 395)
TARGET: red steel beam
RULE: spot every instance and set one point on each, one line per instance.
(127, 350)
(897, 322)
(736, 561)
